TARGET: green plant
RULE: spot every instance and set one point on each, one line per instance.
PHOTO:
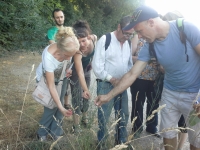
(24, 23)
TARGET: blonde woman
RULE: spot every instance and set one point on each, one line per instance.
(52, 63)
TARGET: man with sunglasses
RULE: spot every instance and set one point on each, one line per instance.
(182, 71)
(109, 65)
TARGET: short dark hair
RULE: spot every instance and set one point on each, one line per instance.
(124, 21)
(56, 10)
(82, 28)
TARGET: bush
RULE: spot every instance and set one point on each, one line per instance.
(24, 23)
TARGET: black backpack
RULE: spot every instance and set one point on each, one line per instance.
(108, 39)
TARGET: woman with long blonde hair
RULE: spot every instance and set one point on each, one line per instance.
(53, 58)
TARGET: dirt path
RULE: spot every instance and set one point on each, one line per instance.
(15, 71)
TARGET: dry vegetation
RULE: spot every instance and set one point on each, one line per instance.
(19, 113)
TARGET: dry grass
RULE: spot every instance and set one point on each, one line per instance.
(19, 113)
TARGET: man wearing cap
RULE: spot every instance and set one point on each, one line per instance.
(182, 70)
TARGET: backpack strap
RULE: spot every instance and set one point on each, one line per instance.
(152, 51)
(108, 39)
(129, 42)
(183, 37)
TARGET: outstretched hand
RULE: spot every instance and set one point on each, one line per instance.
(101, 99)
(68, 73)
(67, 112)
(86, 94)
(197, 109)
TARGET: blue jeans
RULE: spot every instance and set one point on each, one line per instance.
(105, 110)
(49, 125)
(144, 88)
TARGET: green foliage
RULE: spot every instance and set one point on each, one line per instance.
(24, 23)
(23, 27)
(102, 15)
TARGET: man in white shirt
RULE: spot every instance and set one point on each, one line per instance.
(109, 65)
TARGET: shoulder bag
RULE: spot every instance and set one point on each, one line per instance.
(42, 95)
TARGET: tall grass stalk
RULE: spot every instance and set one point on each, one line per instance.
(23, 104)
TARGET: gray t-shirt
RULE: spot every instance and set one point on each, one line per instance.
(180, 75)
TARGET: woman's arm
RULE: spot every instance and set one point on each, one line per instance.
(54, 93)
(81, 75)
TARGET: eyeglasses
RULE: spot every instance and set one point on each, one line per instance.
(126, 34)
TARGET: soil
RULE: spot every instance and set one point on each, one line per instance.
(17, 81)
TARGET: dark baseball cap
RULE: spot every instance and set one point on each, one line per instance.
(141, 14)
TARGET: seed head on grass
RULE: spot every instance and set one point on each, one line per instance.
(176, 129)
(1, 111)
(33, 66)
(119, 147)
(134, 120)
(159, 108)
(150, 117)
(137, 96)
(130, 137)
(55, 142)
(111, 131)
(116, 122)
(155, 111)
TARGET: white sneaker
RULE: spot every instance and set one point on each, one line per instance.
(42, 138)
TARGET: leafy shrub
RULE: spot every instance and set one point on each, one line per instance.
(24, 23)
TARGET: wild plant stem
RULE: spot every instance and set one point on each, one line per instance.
(23, 104)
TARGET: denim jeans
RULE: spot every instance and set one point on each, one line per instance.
(120, 104)
(144, 88)
(51, 121)
(49, 124)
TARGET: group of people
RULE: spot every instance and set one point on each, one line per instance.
(75, 44)
(181, 80)
(119, 62)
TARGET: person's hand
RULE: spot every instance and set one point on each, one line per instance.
(101, 99)
(86, 94)
(197, 109)
(66, 112)
(114, 81)
(89, 67)
(68, 73)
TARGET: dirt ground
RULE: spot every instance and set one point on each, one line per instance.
(16, 85)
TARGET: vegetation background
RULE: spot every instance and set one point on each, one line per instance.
(23, 27)
(24, 23)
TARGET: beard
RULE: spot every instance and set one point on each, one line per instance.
(58, 24)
